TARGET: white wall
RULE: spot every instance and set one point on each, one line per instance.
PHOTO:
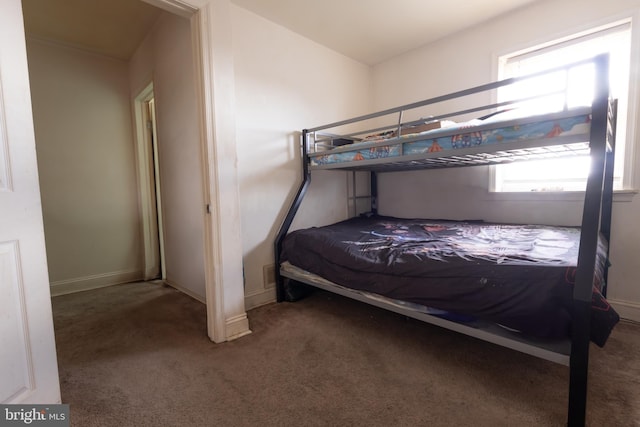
(166, 57)
(469, 58)
(86, 164)
(285, 83)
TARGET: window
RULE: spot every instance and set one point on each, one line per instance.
(568, 174)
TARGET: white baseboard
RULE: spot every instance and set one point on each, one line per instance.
(184, 290)
(626, 309)
(237, 326)
(257, 299)
(96, 281)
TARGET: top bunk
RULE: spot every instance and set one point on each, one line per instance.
(434, 134)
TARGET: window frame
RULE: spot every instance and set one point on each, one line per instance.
(629, 180)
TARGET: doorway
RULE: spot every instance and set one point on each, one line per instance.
(226, 318)
(149, 181)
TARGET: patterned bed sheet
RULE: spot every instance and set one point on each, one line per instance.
(518, 276)
(490, 132)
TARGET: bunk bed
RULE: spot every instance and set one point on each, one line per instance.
(532, 288)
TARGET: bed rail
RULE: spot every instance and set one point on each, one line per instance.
(324, 130)
(363, 143)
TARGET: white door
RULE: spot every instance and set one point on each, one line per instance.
(28, 366)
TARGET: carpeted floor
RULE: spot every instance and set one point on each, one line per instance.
(138, 355)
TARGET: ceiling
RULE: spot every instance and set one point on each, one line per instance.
(372, 31)
(369, 31)
(111, 27)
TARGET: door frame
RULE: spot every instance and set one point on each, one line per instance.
(148, 186)
(215, 84)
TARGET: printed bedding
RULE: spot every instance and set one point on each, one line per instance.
(518, 276)
(493, 130)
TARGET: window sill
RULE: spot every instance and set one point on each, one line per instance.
(560, 196)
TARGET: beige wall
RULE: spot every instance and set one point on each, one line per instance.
(86, 165)
(86, 156)
(469, 58)
(285, 83)
(166, 57)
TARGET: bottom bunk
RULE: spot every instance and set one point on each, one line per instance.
(557, 351)
(507, 284)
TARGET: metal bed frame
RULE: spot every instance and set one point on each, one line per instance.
(596, 217)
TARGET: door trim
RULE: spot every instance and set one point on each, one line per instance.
(147, 187)
(224, 283)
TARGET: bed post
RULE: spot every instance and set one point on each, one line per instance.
(373, 191)
(607, 197)
(583, 287)
(284, 228)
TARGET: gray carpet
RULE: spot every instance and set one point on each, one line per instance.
(138, 355)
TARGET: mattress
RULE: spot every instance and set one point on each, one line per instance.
(519, 276)
(488, 133)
